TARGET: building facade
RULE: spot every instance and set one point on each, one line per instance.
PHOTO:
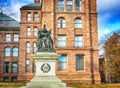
(73, 25)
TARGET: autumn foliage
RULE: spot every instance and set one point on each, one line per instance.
(112, 57)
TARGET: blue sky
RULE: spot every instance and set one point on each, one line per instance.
(108, 14)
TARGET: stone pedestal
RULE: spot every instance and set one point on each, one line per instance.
(45, 76)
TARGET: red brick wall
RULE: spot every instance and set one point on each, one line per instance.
(3, 58)
(49, 16)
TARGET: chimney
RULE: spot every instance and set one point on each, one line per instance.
(36, 1)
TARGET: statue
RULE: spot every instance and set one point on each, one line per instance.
(44, 42)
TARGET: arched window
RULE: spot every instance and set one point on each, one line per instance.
(7, 51)
(28, 47)
(35, 48)
(62, 62)
(15, 51)
(78, 23)
(61, 23)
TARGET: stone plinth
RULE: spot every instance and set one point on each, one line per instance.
(45, 76)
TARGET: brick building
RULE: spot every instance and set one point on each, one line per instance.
(73, 25)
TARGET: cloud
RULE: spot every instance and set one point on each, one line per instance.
(104, 32)
(16, 5)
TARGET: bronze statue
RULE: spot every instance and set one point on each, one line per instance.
(44, 42)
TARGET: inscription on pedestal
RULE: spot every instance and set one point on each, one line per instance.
(45, 68)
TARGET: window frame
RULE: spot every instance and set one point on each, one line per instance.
(78, 41)
(14, 78)
(118, 39)
(79, 62)
(78, 23)
(29, 16)
(34, 47)
(14, 68)
(7, 66)
(60, 5)
(15, 51)
(4, 79)
(62, 64)
(8, 37)
(61, 23)
(7, 52)
(78, 5)
(28, 47)
(34, 67)
(35, 31)
(61, 41)
(69, 4)
(28, 33)
(16, 37)
(35, 16)
(27, 69)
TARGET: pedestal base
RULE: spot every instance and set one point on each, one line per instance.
(45, 82)
(45, 76)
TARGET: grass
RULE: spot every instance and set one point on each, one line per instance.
(11, 84)
(94, 86)
(18, 84)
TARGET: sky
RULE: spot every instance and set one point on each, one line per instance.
(108, 14)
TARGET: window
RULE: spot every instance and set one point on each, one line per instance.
(35, 31)
(6, 79)
(62, 62)
(35, 17)
(69, 5)
(78, 5)
(60, 5)
(16, 37)
(79, 62)
(118, 40)
(7, 51)
(27, 65)
(34, 67)
(78, 41)
(35, 48)
(61, 41)
(14, 67)
(28, 47)
(78, 23)
(15, 51)
(28, 16)
(61, 23)
(14, 79)
(8, 37)
(6, 67)
(28, 31)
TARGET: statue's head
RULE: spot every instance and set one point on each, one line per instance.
(44, 28)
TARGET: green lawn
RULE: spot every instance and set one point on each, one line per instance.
(18, 84)
(94, 86)
(11, 85)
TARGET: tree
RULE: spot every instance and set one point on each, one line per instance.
(112, 56)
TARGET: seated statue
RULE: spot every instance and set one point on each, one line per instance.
(44, 42)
